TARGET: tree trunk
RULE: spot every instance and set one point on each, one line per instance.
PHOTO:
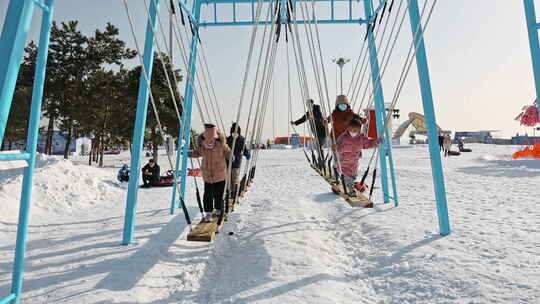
(48, 139)
(96, 149)
(101, 153)
(90, 152)
(68, 143)
(154, 146)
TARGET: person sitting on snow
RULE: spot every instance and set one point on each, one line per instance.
(123, 174)
(349, 149)
(460, 144)
(212, 147)
(150, 173)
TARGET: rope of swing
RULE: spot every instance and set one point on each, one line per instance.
(302, 75)
(417, 38)
(152, 99)
(241, 102)
(388, 52)
(247, 166)
(359, 88)
(169, 52)
(363, 70)
(263, 95)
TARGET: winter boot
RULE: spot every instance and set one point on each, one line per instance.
(207, 217)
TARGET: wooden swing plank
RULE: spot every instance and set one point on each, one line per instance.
(360, 201)
(203, 232)
(206, 231)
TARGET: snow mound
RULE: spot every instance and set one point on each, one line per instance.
(60, 187)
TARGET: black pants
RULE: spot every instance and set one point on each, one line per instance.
(149, 179)
(213, 196)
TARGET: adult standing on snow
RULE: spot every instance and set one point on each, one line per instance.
(240, 149)
(150, 173)
(441, 142)
(447, 145)
(317, 125)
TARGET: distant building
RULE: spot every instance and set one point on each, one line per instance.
(525, 140)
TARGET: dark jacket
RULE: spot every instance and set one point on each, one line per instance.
(238, 148)
(154, 171)
(320, 129)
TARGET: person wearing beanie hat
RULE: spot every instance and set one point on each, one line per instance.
(240, 149)
(150, 173)
(318, 127)
(342, 116)
(212, 147)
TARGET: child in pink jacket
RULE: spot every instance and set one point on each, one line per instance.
(349, 149)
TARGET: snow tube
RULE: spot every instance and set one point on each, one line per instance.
(166, 180)
(465, 150)
(454, 153)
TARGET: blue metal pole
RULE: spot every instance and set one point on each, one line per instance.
(188, 106)
(12, 42)
(429, 113)
(140, 125)
(31, 147)
(379, 102)
(532, 28)
(392, 170)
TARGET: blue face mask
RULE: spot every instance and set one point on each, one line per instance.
(342, 107)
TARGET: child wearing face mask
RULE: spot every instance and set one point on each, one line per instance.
(349, 149)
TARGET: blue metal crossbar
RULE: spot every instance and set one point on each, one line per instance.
(41, 5)
(15, 156)
(245, 23)
(8, 299)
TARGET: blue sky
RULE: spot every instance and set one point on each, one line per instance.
(478, 55)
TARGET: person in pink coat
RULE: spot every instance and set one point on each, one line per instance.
(349, 147)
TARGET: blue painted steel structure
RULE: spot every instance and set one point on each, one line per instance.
(12, 43)
(188, 107)
(140, 124)
(386, 152)
(532, 28)
(429, 114)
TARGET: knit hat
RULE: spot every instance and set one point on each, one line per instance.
(342, 99)
(236, 128)
(210, 135)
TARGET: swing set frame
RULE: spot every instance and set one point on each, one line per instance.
(15, 34)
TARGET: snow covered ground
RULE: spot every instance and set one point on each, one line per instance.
(293, 241)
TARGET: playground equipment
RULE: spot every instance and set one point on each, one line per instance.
(534, 42)
(15, 34)
(532, 151)
(529, 115)
(418, 122)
